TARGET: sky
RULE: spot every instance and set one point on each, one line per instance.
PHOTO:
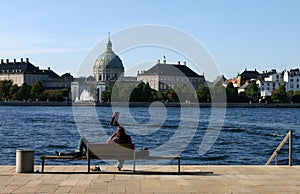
(261, 35)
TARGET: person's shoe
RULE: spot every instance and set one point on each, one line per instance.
(119, 168)
(57, 153)
(97, 168)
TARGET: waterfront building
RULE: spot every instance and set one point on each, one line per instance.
(246, 76)
(292, 78)
(25, 72)
(164, 76)
(270, 83)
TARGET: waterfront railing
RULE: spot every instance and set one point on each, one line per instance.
(289, 136)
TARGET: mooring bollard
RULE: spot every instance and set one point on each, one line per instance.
(24, 161)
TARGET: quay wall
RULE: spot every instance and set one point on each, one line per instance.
(145, 104)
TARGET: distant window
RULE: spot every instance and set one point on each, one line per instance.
(291, 80)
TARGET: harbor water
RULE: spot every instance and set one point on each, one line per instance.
(246, 136)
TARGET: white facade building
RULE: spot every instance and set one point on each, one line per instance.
(290, 79)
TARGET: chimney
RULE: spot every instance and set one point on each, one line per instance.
(7, 61)
(48, 68)
(158, 61)
(184, 63)
(2, 61)
(178, 62)
(21, 60)
(27, 60)
(165, 61)
(15, 60)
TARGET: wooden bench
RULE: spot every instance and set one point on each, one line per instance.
(110, 152)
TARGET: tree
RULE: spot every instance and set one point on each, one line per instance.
(218, 92)
(203, 93)
(231, 93)
(53, 95)
(36, 90)
(147, 93)
(136, 94)
(171, 95)
(4, 88)
(279, 95)
(296, 96)
(23, 93)
(124, 93)
(253, 92)
(13, 90)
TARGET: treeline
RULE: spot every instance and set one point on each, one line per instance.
(13, 92)
(144, 93)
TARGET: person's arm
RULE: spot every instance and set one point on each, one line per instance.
(112, 137)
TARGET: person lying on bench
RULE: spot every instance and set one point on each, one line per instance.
(81, 150)
(120, 137)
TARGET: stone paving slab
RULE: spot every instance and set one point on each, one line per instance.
(153, 179)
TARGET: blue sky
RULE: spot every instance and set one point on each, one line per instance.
(238, 34)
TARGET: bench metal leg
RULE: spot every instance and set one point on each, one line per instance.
(89, 164)
(43, 163)
(178, 165)
(133, 166)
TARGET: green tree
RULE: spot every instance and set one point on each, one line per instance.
(36, 90)
(137, 93)
(147, 93)
(218, 92)
(124, 92)
(203, 94)
(231, 93)
(13, 90)
(53, 95)
(106, 96)
(279, 95)
(253, 92)
(4, 88)
(171, 95)
(23, 93)
(242, 97)
(296, 96)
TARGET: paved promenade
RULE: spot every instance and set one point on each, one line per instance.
(153, 179)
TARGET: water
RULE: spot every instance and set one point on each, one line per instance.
(247, 136)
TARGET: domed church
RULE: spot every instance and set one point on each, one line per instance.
(108, 67)
(107, 70)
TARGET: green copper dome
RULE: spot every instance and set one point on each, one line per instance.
(108, 59)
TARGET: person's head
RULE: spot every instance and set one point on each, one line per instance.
(120, 131)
